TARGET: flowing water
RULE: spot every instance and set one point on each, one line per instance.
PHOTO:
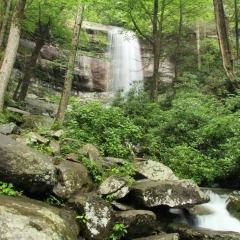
(126, 63)
(216, 218)
(219, 219)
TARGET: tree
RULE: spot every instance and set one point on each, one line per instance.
(224, 41)
(158, 21)
(43, 33)
(70, 67)
(42, 21)
(11, 49)
(4, 22)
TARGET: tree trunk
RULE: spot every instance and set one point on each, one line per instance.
(42, 35)
(157, 49)
(70, 68)
(4, 23)
(224, 43)
(236, 28)
(177, 50)
(11, 49)
(198, 46)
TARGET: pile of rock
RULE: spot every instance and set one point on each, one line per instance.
(141, 206)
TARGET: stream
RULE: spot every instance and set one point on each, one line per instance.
(214, 214)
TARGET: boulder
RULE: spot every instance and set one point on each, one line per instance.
(23, 218)
(120, 206)
(40, 107)
(192, 233)
(139, 223)
(233, 205)
(72, 178)
(88, 147)
(36, 121)
(118, 186)
(178, 194)
(110, 162)
(101, 218)
(171, 236)
(8, 128)
(26, 168)
(55, 146)
(36, 138)
(16, 110)
(154, 170)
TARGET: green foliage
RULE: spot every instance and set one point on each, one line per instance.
(47, 150)
(197, 136)
(93, 168)
(51, 200)
(119, 230)
(82, 218)
(105, 127)
(8, 189)
(126, 170)
(7, 116)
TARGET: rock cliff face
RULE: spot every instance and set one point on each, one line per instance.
(91, 73)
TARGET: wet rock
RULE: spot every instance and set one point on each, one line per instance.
(192, 233)
(8, 128)
(72, 178)
(101, 218)
(26, 168)
(139, 223)
(118, 186)
(233, 205)
(23, 218)
(178, 194)
(171, 236)
(154, 170)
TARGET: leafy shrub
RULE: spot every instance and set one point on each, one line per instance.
(104, 127)
(8, 189)
(197, 137)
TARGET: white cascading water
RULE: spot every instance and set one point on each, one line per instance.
(126, 63)
(220, 219)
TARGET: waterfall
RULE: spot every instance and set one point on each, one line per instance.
(219, 219)
(214, 214)
(126, 63)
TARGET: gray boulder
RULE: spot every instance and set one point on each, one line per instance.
(139, 223)
(8, 128)
(178, 194)
(233, 205)
(171, 236)
(118, 186)
(23, 218)
(73, 178)
(26, 168)
(154, 170)
(36, 121)
(16, 110)
(192, 233)
(88, 147)
(101, 218)
(40, 107)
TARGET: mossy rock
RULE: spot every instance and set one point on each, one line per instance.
(233, 205)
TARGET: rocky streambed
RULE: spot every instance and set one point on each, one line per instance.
(141, 206)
